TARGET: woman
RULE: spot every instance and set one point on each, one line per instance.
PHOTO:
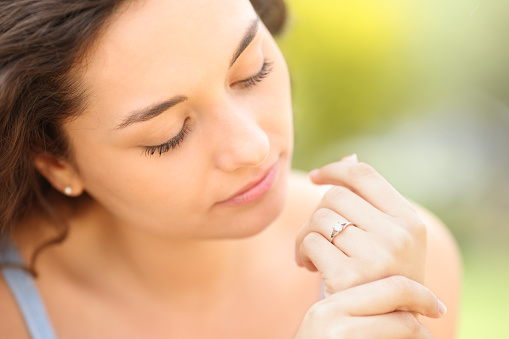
(159, 134)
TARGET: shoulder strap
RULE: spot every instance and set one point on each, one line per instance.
(27, 296)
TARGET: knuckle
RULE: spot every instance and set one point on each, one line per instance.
(411, 323)
(361, 170)
(419, 230)
(310, 240)
(404, 237)
(414, 223)
(323, 312)
(337, 193)
(332, 285)
(315, 311)
(412, 219)
(318, 311)
(401, 241)
(320, 215)
(400, 284)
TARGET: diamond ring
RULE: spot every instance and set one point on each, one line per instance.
(338, 228)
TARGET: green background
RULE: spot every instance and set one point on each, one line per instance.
(420, 90)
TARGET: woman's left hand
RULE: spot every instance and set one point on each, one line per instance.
(388, 238)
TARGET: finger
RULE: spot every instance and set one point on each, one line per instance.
(352, 241)
(387, 295)
(337, 270)
(395, 325)
(351, 158)
(355, 209)
(368, 183)
(356, 243)
(319, 217)
(317, 253)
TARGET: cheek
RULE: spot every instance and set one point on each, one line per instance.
(277, 103)
(151, 192)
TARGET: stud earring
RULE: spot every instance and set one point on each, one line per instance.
(68, 190)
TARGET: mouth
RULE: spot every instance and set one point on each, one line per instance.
(253, 190)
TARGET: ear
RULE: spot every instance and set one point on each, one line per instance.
(60, 174)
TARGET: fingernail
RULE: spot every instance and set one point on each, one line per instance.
(441, 308)
(351, 158)
(314, 172)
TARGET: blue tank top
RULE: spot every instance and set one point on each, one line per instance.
(25, 292)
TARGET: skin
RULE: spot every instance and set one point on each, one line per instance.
(389, 240)
(151, 248)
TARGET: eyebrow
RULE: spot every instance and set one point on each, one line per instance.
(248, 38)
(153, 111)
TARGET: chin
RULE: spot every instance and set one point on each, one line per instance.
(259, 222)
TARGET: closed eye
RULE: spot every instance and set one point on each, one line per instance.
(257, 78)
(170, 144)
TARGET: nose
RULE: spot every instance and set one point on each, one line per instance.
(240, 140)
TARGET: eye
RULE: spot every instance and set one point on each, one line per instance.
(170, 144)
(254, 80)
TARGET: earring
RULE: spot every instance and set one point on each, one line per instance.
(68, 190)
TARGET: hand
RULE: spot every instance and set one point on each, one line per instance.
(388, 238)
(380, 309)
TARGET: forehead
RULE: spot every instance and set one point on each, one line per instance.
(160, 43)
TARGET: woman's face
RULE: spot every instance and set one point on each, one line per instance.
(189, 105)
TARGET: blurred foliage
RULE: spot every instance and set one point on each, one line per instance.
(346, 59)
(485, 296)
(419, 89)
(361, 64)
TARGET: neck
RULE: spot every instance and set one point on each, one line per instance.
(128, 259)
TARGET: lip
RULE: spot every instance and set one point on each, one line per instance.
(253, 190)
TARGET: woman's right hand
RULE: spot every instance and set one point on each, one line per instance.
(379, 309)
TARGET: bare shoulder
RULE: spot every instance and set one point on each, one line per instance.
(443, 274)
(11, 321)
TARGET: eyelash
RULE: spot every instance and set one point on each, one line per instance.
(172, 144)
(254, 80)
(175, 142)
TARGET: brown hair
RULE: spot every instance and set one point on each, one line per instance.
(41, 41)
